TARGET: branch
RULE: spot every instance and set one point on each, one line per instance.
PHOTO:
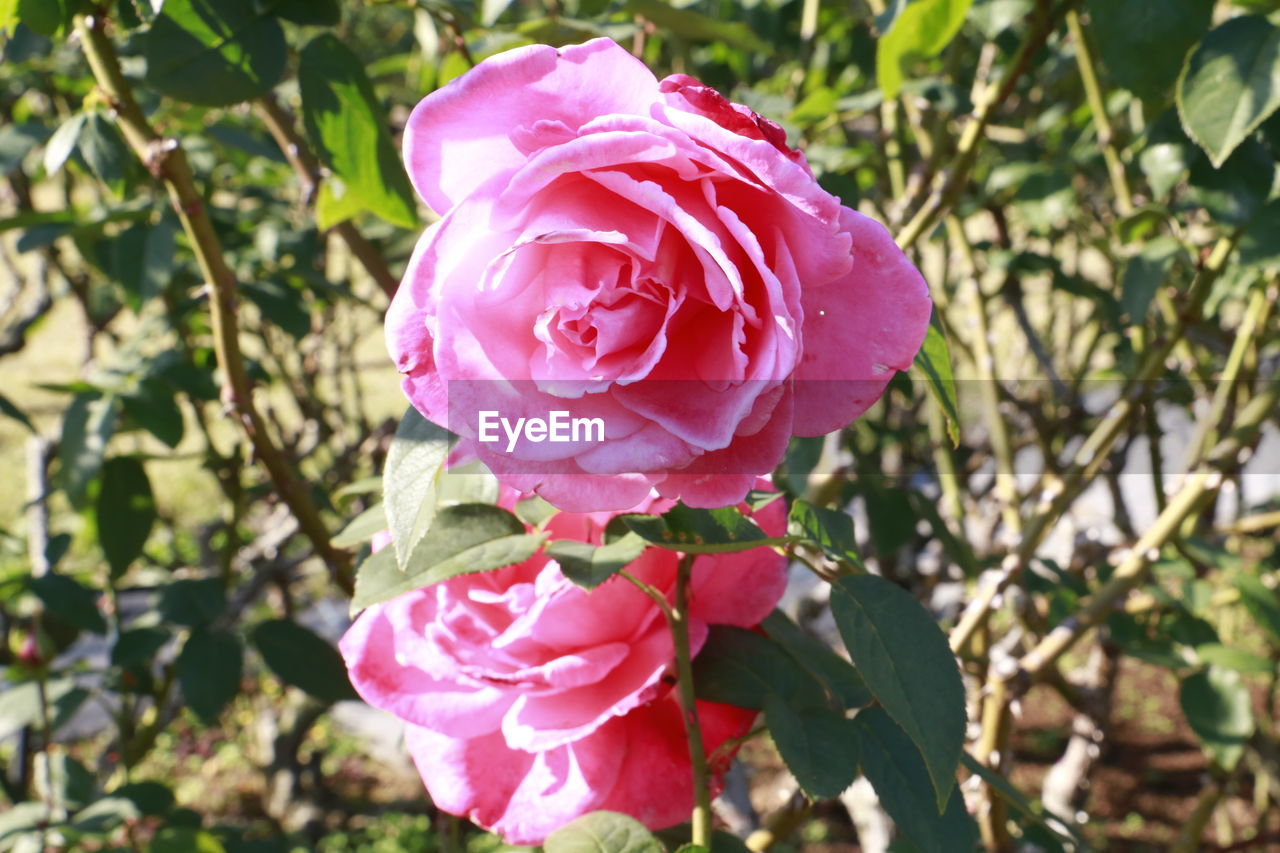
(948, 185)
(165, 159)
(307, 167)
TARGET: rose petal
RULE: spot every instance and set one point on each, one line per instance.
(858, 330)
(460, 709)
(654, 784)
(520, 796)
(537, 722)
(451, 147)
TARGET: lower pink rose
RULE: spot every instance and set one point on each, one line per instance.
(531, 701)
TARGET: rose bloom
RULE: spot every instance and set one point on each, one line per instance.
(530, 702)
(646, 253)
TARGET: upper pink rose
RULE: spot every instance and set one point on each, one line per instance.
(643, 252)
(531, 702)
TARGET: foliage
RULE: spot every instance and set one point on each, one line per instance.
(203, 212)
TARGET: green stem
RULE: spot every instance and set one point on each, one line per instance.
(1093, 453)
(679, 615)
(947, 188)
(984, 361)
(305, 165)
(1255, 318)
(1199, 486)
(892, 148)
(1097, 105)
(165, 159)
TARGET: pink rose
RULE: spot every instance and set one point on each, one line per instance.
(646, 253)
(530, 702)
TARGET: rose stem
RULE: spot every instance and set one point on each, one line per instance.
(676, 616)
(701, 819)
(165, 159)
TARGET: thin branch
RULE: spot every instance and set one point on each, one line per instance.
(307, 167)
(165, 159)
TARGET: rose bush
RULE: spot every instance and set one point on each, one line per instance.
(646, 253)
(530, 701)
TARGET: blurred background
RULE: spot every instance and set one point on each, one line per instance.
(202, 216)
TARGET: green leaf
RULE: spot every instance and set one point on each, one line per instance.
(1233, 658)
(138, 646)
(828, 529)
(105, 152)
(739, 667)
(817, 744)
(70, 601)
(1046, 199)
(692, 25)
(700, 531)
(182, 839)
(22, 821)
(62, 779)
(62, 143)
(1220, 712)
(803, 455)
(417, 451)
(45, 17)
(1143, 275)
(907, 665)
(1230, 84)
(1237, 190)
(125, 511)
(922, 30)
(281, 304)
(589, 565)
(150, 798)
(87, 426)
(1020, 803)
(1262, 603)
(153, 407)
(302, 659)
(933, 361)
(208, 670)
(348, 127)
(1258, 245)
(320, 13)
(193, 602)
(534, 511)
(838, 676)
(602, 832)
(491, 10)
(8, 409)
(20, 704)
(362, 527)
(1141, 224)
(105, 814)
(9, 19)
(1168, 154)
(1142, 43)
(214, 52)
(464, 538)
(894, 767)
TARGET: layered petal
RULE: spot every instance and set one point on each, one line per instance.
(858, 330)
(461, 134)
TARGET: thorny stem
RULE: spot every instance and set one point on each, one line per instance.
(984, 361)
(701, 818)
(1199, 486)
(165, 159)
(947, 188)
(1093, 453)
(677, 615)
(305, 165)
(1098, 107)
